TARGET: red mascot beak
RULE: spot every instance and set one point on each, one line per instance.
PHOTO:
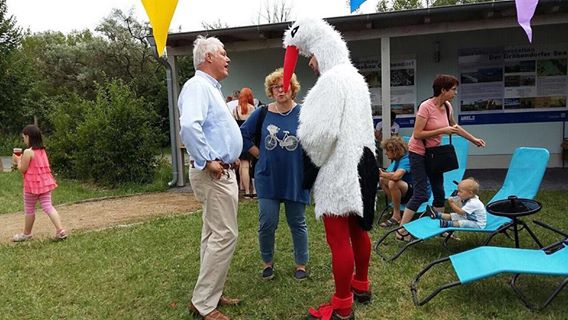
(290, 59)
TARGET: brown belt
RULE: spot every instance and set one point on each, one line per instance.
(223, 165)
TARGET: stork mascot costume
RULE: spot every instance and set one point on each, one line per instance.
(336, 132)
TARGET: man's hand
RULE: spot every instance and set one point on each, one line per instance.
(215, 169)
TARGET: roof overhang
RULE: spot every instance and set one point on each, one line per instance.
(436, 20)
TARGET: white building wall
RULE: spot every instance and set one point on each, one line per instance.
(248, 68)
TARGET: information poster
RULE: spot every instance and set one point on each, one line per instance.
(403, 84)
(513, 84)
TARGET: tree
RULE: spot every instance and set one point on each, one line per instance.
(395, 5)
(274, 12)
(74, 64)
(218, 24)
(10, 34)
(10, 78)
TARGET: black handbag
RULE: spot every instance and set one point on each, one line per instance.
(442, 158)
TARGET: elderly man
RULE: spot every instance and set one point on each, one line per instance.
(214, 143)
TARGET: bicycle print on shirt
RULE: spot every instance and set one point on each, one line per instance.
(288, 141)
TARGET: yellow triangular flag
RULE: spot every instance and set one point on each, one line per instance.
(160, 13)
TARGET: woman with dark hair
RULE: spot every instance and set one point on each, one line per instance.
(241, 113)
(434, 118)
(38, 184)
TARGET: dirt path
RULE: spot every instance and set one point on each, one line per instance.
(100, 214)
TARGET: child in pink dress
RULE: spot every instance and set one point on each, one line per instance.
(38, 183)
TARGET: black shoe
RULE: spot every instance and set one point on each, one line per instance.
(431, 212)
(335, 316)
(300, 274)
(362, 297)
(268, 273)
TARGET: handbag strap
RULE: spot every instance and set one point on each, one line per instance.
(448, 115)
(259, 122)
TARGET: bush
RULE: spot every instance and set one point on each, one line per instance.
(62, 144)
(110, 141)
(10, 141)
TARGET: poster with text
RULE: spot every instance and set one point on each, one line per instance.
(513, 79)
(403, 84)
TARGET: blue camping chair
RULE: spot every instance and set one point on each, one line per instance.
(523, 180)
(484, 262)
(462, 151)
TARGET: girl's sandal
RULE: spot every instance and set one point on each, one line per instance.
(405, 237)
(389, 223)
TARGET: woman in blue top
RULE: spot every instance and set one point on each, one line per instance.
(279, 171)
(397, 183)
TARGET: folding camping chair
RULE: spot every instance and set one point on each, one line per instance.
(484, 262)
(462, 150)
(523, 180)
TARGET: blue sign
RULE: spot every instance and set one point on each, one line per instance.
(513, 117)
(494, 118)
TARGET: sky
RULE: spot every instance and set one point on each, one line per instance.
(69, 15)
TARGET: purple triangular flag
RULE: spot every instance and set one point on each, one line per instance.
(525, 12)
(355, 4)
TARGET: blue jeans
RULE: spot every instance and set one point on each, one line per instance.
(269, 214)
(420, 180)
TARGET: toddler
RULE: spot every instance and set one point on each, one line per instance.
(468, 210)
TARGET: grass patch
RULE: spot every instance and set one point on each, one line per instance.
(69, 191)
(148, 271)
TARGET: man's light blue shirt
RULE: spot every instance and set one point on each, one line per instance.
(208, 129)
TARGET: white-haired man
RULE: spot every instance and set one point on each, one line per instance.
(214, 143)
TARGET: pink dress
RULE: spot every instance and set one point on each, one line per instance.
(38, 178)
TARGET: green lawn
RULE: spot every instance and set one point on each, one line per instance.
(72, 191)
(147, 271)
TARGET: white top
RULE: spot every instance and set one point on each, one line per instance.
(208, 129)
(475, 208)
(395, 128)
(233, 104)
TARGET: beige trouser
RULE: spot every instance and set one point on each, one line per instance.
(218, 235)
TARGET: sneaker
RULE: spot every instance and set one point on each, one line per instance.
(268, 273)
(300, 274)
(431, 212)
(446, 224)
(61, 235)
(21, 237)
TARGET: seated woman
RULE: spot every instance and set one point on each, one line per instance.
(396, 183)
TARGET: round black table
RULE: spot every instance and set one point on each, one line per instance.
(514, 208)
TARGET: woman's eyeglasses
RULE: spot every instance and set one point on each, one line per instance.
(276, 87)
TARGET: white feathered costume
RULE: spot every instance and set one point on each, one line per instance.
(336, 117)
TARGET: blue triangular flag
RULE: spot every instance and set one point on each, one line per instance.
(355, 4)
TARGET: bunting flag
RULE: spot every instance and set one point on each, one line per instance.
(525, 12)
(160, 13)
(355, 4)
